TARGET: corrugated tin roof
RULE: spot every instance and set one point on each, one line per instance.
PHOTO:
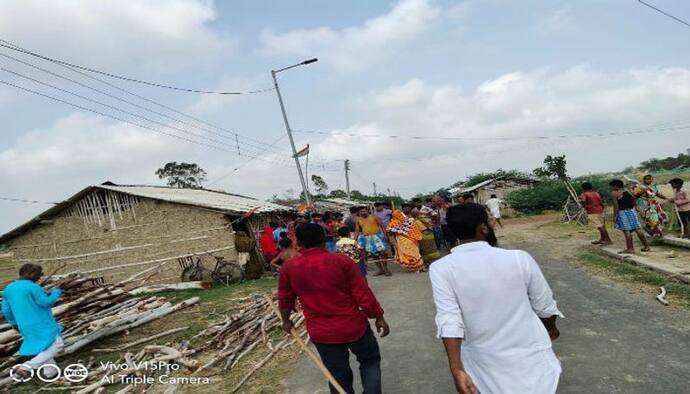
(460, 190)
(200, 197)
(210, 199)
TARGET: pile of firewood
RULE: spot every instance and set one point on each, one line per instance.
(250, 328)
(90, 310)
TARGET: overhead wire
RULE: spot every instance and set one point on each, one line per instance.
(681, 125)
(256, 145)
(26, 201)
(105, 93)
(116, 87)
(114, 117)
(243, 164)
(677, 19)
(14, 47)
(231, 146)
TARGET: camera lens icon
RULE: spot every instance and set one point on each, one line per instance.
(22, 373)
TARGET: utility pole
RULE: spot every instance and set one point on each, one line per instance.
(305, 190)
(347, 178)
(374, 189)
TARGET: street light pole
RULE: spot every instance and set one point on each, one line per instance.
(287, 127)
(347, 178)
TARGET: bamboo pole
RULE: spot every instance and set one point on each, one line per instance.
(309, 352)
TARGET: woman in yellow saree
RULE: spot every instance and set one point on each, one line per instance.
(407, 236)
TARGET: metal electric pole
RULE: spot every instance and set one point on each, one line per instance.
(305, 190)
(347, 178)
(374, 183)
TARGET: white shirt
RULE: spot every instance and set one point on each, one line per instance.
(494, 205)
(493, 299)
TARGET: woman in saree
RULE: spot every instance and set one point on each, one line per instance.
(407, 236)
(427, 246)
(648, 206)
(268, 245)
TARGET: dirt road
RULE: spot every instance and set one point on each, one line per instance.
(613, 340)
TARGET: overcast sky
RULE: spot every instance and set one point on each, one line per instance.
(490, 70)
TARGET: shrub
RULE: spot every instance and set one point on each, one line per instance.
(551, 194)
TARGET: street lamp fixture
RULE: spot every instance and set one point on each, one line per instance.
(287, 125)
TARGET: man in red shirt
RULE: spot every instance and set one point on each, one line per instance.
(595, 212)
(337, 303)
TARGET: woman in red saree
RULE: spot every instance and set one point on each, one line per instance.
(268, 245)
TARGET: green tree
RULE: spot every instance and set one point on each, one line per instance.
(182, 175)
(319, 184)
(337, 193)
(554, 166)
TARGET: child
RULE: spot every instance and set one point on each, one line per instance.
(681, 198)
(287, 251)
(352, 249)
(626, 216)
(595, 212)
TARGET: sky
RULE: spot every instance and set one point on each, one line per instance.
(465, 86)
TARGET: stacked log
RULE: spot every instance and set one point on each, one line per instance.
(89, 311)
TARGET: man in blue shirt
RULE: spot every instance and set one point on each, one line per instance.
(277, 229)
(27, 308)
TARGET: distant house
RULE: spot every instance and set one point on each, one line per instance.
(500, 186)
(115, 231)
(341, 205)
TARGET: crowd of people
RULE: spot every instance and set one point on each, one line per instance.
(637, 207)
(412, 234)
(506, 350)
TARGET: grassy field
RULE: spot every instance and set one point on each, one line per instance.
(678, 294)
(213, 306)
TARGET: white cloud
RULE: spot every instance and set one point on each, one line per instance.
(114, 33)
(356, 47)
(541, 102)
(559, 21)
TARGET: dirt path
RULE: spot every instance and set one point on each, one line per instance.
(614, 340)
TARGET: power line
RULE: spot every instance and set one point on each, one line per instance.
(14, 47)
(120, 119)
(664, 13)
(129, 113)
(27, 201)
(196, 119)
(118, 98)
(256, 145)
(519, 138)
(243, 164)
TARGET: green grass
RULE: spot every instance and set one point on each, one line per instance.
(223, 293)
(213, 304)
(634, 274)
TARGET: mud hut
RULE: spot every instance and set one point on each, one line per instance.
(115, 231)
(499, 186)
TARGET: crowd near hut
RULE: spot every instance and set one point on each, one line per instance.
(115, 231)
(500, 186)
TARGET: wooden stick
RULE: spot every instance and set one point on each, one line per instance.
(143, 340)
(309, 352)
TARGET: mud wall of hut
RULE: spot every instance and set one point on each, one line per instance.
(115, 236)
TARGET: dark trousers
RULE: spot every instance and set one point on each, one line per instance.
(337, 360)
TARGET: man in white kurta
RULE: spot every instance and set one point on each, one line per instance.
(498, 303)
